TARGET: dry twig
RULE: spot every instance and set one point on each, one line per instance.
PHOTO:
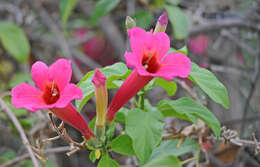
(18, 126)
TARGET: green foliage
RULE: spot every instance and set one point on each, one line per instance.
(187, 109)
(20, 77)
(51, 164)
(183, 50)
(164, 161)
(123, 145)
(207, 81)
(174, 2)
(145, 131)
(121, 115)
(143, 19)
(92, 157)
(169, 86)
(106, 161)
(169, 147)
(14, 41)
(66, 7)
(178, 20)
(103, 7)
(113, 72)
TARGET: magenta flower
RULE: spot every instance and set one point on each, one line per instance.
(149, 58)
(54, 92)
(199, 44)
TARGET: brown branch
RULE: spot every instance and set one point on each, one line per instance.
(226, 23)
(25, 156)
(254, 80)
(239, 42)
(18, 126)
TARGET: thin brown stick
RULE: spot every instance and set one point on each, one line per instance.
(25, 156)
(226, 23)
(18, 126)
(254, 80)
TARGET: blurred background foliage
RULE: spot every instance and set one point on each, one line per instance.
(220, 35)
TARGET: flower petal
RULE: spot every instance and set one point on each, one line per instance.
(174, 65)
(26, 96)
(132, 60)
(141, 40)
(60, 72)
(39, 74)
(70, 92)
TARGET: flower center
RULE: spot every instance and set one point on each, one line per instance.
(150, 61)
(51, 93)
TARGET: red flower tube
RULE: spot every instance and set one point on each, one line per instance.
(149, 58)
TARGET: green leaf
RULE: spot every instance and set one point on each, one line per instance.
(152, 110)
(145, 131)
(66, 6)
(143, 19)
(27, 122)
(121, 114)
(174, 2)
(207, 81)
(26, 163)
(169, 147)
(166, 161)
(106, 161)
(51, 164)
(123, 145)
(187, 109)
(169, 86)
(14, 41)
(20, 77)
(102, 7)
(8, 154)
(179, 21)
(183, 50)
(113, 72)
(92, 157)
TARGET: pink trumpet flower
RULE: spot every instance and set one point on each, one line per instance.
(149, 58)
(54, 92)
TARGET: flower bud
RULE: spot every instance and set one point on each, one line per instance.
(99, 81)
(129, 22)
(161, 23)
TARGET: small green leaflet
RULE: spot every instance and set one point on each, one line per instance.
(164, 161)
(169, 147)
(169, 86)
(145, 130)
(14, 41)
(187, 109)
(207, 81)
(123, 145)
(106, 161)
(103, 7)
(66, 7)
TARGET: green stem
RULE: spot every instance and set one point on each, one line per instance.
(141, 99)
(188, 160)
(198, 158)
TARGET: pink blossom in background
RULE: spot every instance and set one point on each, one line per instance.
(94, 47)
(149, 58)
(199, 44)
(53, 92)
